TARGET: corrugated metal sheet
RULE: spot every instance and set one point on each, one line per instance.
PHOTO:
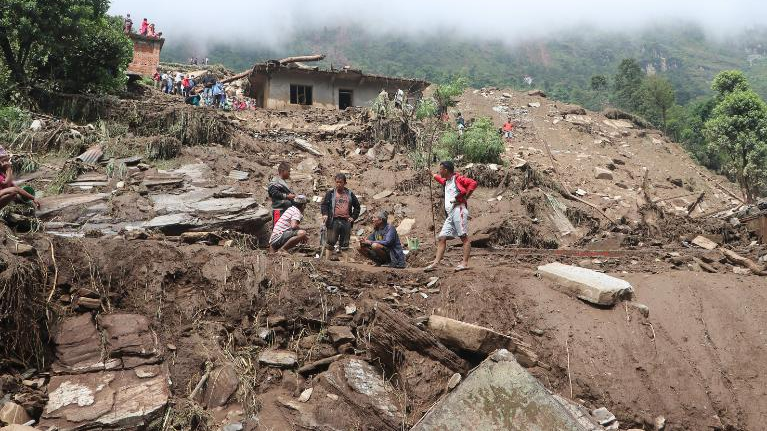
(239, 175)
(92, 156)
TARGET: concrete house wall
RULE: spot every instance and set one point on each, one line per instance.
(272, 90)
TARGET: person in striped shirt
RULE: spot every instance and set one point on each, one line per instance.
(286, 233)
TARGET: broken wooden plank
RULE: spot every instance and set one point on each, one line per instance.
(478, 339)
(302, 58)
(703, 242)
(318, 365)
(306, 146)
(743, 261)
(391, 330)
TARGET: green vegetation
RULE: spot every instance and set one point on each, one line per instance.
(658, 97)
(480, 143)
(737, 131)
(65, 45)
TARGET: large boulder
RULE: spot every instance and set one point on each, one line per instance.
(500, 395)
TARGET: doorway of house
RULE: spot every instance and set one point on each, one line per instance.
(345, 99)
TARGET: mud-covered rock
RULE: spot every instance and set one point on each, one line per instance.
(78, 345)
(363, 388)
(222, 383)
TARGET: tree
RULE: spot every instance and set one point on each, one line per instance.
(627, 85)
(728, 81)
(659, 95)
(737, 129)
(599, 83)
(69, 42)
(445, 94)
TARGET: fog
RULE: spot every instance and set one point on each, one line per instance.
(270, 23)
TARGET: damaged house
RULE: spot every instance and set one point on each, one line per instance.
(278, 84)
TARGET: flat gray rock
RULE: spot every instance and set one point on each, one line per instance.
(591, 286)
(278, 358)
(500, 395)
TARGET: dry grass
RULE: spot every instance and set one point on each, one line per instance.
(23, 312)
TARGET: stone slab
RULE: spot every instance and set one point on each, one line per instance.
(500, 395)
(591, 286)
(78, 345)
(703, 242)
(114, 399)
(278, 358)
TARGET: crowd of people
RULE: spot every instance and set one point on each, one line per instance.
(205, 91)
(340, 209)
(145, 29)
(193, 61)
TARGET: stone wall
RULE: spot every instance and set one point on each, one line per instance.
(146, 54)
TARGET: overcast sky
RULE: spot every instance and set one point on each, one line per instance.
(268, 22)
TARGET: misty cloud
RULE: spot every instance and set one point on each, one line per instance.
(269, 23)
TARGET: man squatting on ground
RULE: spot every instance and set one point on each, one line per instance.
(286, 233)
(279, 192)
(383, 245)
(340, 208)
(457, 190)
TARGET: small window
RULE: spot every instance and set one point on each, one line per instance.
(300, 94)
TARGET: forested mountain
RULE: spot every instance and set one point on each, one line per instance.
(562, 64)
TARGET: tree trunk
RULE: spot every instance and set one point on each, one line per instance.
(316, 57)
(14, 65)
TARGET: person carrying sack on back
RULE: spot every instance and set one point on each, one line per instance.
(279, 191)
(457, 190)
(340, 208)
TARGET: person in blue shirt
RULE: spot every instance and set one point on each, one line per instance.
(383, 245)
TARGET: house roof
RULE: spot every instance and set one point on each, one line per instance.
(273, 66)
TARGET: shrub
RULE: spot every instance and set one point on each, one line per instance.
(480, 143)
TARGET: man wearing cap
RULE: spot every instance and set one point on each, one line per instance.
(383, 245)
(457, 190)
(286, 233)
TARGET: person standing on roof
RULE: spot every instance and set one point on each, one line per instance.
(279, 191)
(144, 27)
(286, 233)
(508, 128)
(340, 208)
(457, 190)
(128, 24)
(383, 245)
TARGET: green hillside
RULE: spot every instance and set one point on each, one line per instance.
(562, 65)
